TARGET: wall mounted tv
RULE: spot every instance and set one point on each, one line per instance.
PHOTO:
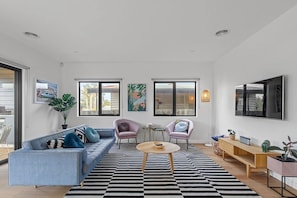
(264, 98)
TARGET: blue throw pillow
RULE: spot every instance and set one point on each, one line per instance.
(181, 126)
(72, 141)
(92, 135)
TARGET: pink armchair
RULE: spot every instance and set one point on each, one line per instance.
(125, 129)
(183, 130)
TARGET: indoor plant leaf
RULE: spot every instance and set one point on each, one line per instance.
(63, 104)
(275, 148)
(294, 152)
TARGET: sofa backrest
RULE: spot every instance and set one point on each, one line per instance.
(40, 143)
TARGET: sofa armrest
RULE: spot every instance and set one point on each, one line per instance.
(105, 132)
(46, 167)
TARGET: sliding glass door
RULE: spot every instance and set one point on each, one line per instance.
(10, 110)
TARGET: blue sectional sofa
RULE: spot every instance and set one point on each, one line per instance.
(35, 164)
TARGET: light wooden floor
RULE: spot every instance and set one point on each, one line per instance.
(257, 181)
(4, 150)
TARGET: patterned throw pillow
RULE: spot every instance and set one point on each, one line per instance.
(80, 132)
(56, 143)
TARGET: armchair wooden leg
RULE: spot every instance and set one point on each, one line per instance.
(187, 144)
(119, 143)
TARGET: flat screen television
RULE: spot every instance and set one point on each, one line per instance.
(264, 98)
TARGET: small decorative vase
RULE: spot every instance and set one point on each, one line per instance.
(232, 137)
(265, 145)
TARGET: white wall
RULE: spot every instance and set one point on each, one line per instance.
(36, 116)
(270, 52)
(142, 72)
(39, 119)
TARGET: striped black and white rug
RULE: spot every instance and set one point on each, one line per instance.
(119, 175)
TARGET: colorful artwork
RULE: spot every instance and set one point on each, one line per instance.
(136, 97)
(45, 90)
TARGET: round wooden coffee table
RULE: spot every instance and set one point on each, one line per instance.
(149, 147)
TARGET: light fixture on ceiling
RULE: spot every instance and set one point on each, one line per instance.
(205, 96)
(31, 35)
(222, 32)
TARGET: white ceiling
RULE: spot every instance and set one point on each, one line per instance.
(136, 30)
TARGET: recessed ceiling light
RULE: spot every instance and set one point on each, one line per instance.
(222, 32)
(31, 35)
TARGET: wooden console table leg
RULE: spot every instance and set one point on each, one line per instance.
(223, 155)
(248, 170)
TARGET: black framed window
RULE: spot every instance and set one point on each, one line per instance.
(175, 98)
(98, 98)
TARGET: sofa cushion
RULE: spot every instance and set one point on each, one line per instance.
(181, 126)
(72, 141)
(92, 135)
(123, 127)
(80, 132)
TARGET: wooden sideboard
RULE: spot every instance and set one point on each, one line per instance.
(250, 155)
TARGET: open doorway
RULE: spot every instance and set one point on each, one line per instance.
(10, 110)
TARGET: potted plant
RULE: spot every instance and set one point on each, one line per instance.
(231, 134)
(63, 105)
(287, 150)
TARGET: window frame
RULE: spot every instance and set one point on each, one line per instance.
(174, 95)
(99, 103)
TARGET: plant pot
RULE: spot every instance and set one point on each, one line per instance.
(288, 159)
(64, 126)
(232, 137)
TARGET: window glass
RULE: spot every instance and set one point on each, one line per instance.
(110, 95)
(163, 98)
(90, 93)
(175, 98)
(185, 98)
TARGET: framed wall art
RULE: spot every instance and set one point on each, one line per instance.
(44, 90)
(136, 97)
